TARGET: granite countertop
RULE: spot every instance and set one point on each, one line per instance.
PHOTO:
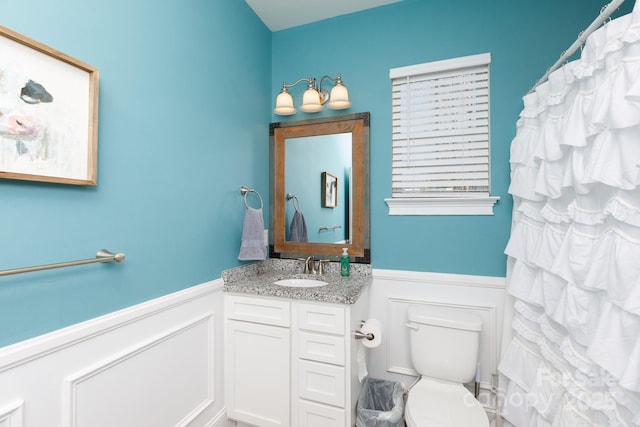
(257, 279)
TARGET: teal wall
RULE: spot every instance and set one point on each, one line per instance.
(185, 96)
(524, 39)
(183, 123)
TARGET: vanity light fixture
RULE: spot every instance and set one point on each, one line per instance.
(314, 96)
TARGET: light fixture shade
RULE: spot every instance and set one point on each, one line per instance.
(311, 101)
(339, 99)
(284, 104)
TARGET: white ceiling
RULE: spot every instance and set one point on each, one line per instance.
(281, 14)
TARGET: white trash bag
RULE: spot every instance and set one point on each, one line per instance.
(380, 404)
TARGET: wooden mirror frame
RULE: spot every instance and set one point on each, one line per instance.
(358, 126)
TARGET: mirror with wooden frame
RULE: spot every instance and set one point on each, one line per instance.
(320, 174)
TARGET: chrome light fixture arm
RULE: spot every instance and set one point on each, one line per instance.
(310, 81)
(324, 94)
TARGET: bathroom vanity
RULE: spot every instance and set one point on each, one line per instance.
(291, 358)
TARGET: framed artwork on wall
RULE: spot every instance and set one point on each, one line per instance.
(48, 113)
(329, 190)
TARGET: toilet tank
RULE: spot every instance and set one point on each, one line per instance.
(444, 342)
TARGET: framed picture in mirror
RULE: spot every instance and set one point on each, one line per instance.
(329, 190)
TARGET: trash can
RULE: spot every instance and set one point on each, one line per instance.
(380, 404)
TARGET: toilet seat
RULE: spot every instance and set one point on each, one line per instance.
(432, 403)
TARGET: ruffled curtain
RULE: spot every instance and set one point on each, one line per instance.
(574, 251)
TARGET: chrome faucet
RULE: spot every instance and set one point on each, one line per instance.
(310, 265)
(321, 264)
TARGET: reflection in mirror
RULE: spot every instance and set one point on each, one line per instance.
(308, 161)
(320, 188)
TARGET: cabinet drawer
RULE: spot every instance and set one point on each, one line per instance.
(321, 348)
(312, 414)
(258, 310)
(321, 318)
(321, 383)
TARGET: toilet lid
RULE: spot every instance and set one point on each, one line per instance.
(437, 404)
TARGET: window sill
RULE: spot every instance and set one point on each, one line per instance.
(442, 206)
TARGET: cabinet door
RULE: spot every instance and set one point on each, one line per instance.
(257, 373)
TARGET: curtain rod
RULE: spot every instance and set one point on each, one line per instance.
(103, 255)
(605, 12)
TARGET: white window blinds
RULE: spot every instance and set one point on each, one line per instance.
(440, 128)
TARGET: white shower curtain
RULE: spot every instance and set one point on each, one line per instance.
(574, 251)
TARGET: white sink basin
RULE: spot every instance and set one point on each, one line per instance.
(300, 283)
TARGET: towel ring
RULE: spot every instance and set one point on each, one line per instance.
(245, 191)
(296, 203)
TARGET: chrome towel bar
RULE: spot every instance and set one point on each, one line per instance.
(329, 227)
(103, 255)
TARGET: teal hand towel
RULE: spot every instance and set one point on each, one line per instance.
(298, 228)
(252, 246)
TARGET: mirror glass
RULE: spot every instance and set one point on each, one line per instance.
(326, 161)
(320, 187)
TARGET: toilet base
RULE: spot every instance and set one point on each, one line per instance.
(436, 403)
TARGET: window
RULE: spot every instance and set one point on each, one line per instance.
(440, 127)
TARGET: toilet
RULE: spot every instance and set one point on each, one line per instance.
(444, 351)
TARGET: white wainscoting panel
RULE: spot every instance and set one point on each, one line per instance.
(393, 291)
(400, 361)
(11, 415)
(173, 371)
(158, 363)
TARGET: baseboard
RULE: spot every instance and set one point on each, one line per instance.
(221, 420)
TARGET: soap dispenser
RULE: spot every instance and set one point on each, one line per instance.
(345, 268)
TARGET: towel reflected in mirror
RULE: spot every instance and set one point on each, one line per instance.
(298, 228)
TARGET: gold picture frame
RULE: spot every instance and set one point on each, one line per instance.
(48, 113)
(329, 190)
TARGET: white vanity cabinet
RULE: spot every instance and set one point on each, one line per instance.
(316, 348)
